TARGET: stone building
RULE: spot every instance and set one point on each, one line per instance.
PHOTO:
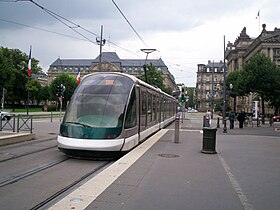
(244, 47)
(110, 61)
(209, 86)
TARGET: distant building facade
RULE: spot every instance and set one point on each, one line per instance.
(244, 47)
(209, 85)
(110, 62)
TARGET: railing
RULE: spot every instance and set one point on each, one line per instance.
(8, 124)
(17, 123)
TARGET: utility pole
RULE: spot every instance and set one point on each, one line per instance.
(100, 42)
(147, 51)
(224, 89)
(212, 98)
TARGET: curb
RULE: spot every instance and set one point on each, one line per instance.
(12, 138)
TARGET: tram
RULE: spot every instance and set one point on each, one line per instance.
(110, 113)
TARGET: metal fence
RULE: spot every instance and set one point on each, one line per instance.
(17, 123)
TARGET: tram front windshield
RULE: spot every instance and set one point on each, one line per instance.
(99, 101)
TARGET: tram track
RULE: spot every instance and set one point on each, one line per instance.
(41, 167)
(15, 151)
(50, 200)
(28, 153)
(17, 177)
(28, 143)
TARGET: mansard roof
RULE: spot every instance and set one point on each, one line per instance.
(111, 57)
(72, 62)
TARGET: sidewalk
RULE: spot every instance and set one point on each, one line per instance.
(244, 174)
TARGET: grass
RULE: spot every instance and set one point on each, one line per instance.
(31, 109)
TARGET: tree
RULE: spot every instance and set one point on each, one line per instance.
(262, 77)
(34, 87)
(13, 65)
(44, 94)
(236, 85)
(190, 94)
(68, 81)
(155, 78)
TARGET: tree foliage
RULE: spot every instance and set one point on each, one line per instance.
(259, 75)
(155, 78)
(68, 81)
(14, 65)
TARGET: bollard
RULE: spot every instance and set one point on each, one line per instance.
(51, 116)
(177, 123)
(209, 141)
(204, 117)
(218, 122)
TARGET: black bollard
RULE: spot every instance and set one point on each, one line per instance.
(177, 128)
(218, 122)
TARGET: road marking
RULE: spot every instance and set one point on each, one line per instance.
(242, 197)
(89, 191)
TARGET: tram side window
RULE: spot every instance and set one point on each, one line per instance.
(154, 107)
(131, 119)
(158, 108)
(143, 110)
(149, 107)
(162, 109)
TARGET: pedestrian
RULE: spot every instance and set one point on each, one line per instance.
(241, 118)
(208, 118)
(231, 119)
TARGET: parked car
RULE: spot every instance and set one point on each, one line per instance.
(192, 110)
(5, 115)
(276, 118)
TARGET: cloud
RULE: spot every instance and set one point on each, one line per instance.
(185, 33)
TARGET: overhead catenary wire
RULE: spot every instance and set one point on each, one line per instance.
(41, 29)
(74, 25)
(60, 19)
(129, 23)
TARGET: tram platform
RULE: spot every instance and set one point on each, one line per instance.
(161, 174)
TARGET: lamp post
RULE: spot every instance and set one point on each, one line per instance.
(212, 98)
(147, 51)
(231, 88)
(224, 89)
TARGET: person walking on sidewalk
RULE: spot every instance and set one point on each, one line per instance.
(231, 119)
(241, 118)
(208, 117)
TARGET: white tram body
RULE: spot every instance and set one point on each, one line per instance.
(111, 113)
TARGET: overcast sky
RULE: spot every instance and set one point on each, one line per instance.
(185, 33)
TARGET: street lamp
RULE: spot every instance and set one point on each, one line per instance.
(224, 89)
(147, 51)
(212, 98)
